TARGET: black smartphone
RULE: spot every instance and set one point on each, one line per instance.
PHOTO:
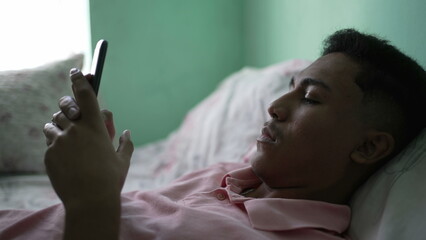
(98, 64)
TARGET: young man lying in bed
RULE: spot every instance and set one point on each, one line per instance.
(343, 117)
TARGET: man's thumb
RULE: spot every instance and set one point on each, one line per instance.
(125, 147)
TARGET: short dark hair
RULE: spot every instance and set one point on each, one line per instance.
(394, 85)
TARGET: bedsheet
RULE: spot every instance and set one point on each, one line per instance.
(35, 191)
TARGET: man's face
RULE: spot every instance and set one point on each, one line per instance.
(314, 128)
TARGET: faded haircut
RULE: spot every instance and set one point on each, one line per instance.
(394, 85)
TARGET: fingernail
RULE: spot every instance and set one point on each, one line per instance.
(55, 114)
(73, 112)
(75, 74)
(74, 71)
(127, 133)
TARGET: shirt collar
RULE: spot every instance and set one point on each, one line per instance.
(278, 214)
(240, 179)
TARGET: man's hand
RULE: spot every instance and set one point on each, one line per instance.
(86, 171)
(69, 107)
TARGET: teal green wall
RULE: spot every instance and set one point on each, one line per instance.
(167, 55)
(275, 30)
(164, 56)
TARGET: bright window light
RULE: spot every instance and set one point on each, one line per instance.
(41, 31)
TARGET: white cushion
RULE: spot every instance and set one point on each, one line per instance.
(392, 203)
(28, 98)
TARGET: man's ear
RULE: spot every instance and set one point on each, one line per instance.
(376, 146)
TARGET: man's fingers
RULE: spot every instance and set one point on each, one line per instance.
(69, 107)
(107, 115)
(51, 132)
(125, 149)
(109, 122)
(61, 120)
(84, 95)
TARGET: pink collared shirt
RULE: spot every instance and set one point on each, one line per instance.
(200, 205)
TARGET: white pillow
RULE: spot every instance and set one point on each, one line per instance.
(392, 203)
(28, 98)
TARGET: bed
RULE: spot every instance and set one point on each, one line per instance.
(390, 205)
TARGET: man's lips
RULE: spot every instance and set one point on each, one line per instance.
(267, 136)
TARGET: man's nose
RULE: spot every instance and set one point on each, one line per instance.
(278, 110)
